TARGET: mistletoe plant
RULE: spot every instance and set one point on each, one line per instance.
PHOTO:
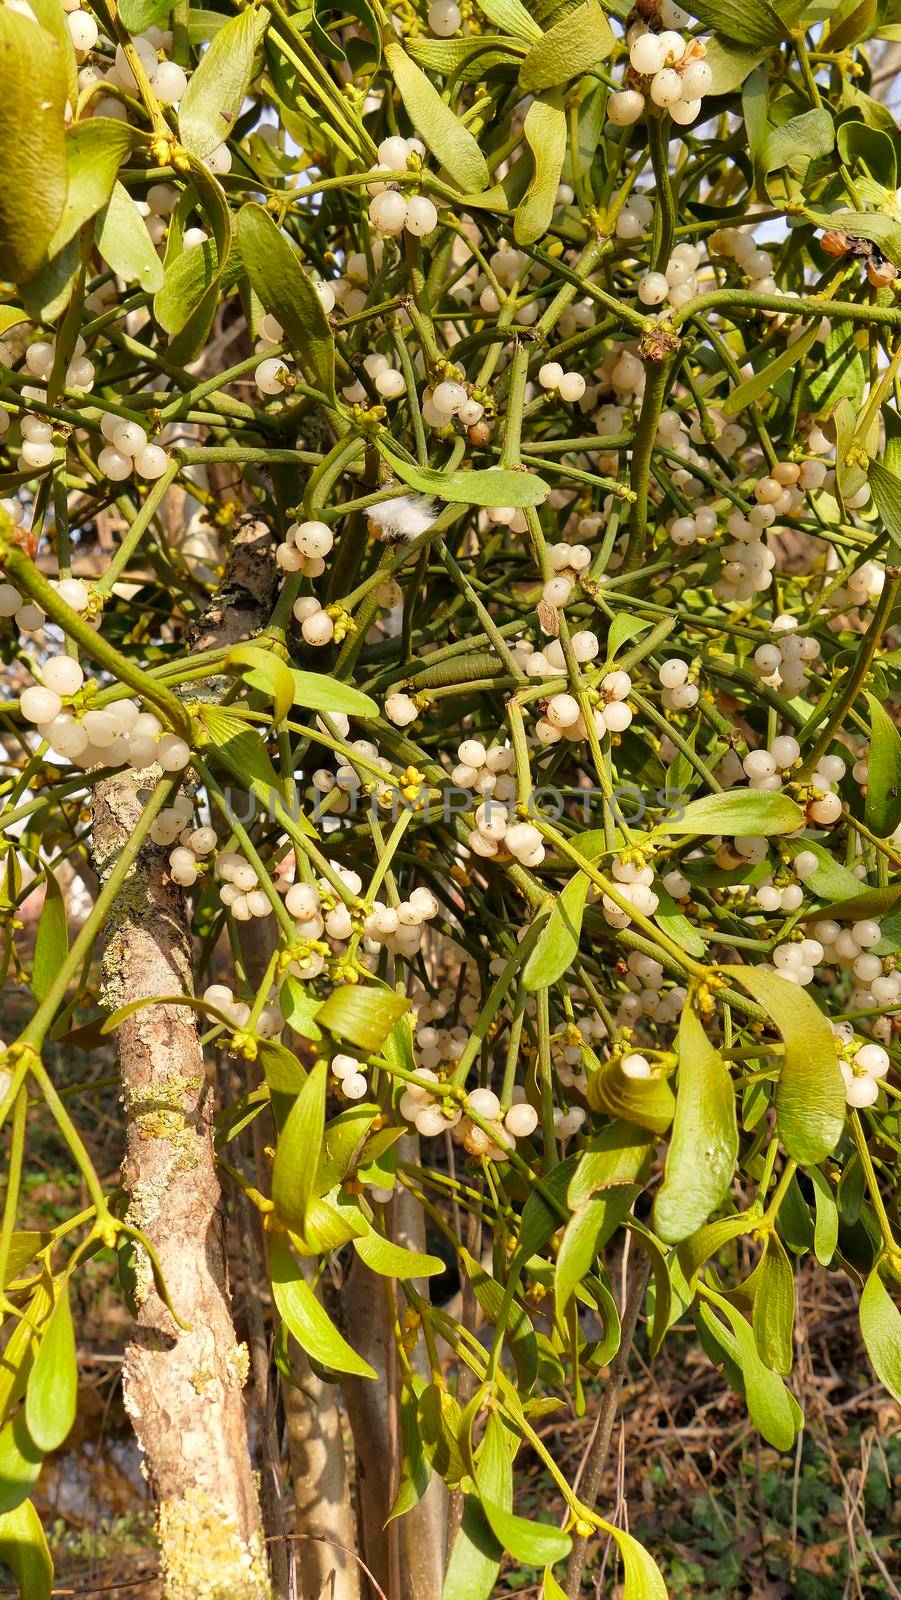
(453, 474)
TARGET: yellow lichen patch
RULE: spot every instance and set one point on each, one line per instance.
(204, 1556)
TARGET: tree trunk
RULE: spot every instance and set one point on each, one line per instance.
(422, 1532)
(182, 1386)
(325, 1519)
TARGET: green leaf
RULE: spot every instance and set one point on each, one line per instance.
(415, 1472)
(46, 295)
(512, 17)
(476, 1555)
(95, 151)
(264, 671)
(676, 924)
(394, 1260)
(286, 290)
(704, 1140)
(750, 22)
(873, 903)
(810, 1096)
(663, 1292)
(316, 691)
(883, 801)
(216, 89)
(643, 1578)
(620, 1154)
(467, 59)
(187, 277)
(544, 131)
(754, 388)
(880, 1324)
(52, 940)
(831, 881)
(23, 1548)
(736, 812)
(710, 1239)
(574, 45)
(475, 1558)
(825, 1233)
(50, 15)
(535, 1544)
(440, 1424)
(299, 1008)
(774, 1307)
(886, 491)
(298, 1151)
(768, 1400)
(881, 229)
(518, 1330)
(305, 1317)
(440, 130)
(798, 142)
(500, 487)
(244, 755)
(730, 65)
(362, 1014)
(649, 1102)
(125, 244)
(585, 1234)
(50, 1398)
(558, 943)
(20, 1463)
(840, 374)
(623, 628)
(33, 90)
(138, 15)
(343, 1143)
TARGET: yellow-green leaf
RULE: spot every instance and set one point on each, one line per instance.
(298, 1151)
(449, 141)
(810, 1096)
(736, 811)
(880, 1324)
(50, 1397)
(774, 1307)
(306, 1319)
(212, 101)
(125, 244)
(95, 151)
(361, 1014)
(577, 43)
(52, 940)
(544, 131)
(500, 487)
(33, 173)
(23, 1548)
(278, 276)
(704, 1140)
(394, 1260)
(264, 671)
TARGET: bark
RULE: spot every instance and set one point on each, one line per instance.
(424, 1529)
(182, 1386)
(325, 1519)
(362, 1311)
(422, 1532)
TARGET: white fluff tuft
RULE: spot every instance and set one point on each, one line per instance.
(405, 516)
